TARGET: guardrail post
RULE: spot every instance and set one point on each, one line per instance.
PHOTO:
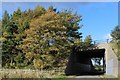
(94, 42)
(107, 40)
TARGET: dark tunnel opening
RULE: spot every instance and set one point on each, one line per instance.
(87, 62)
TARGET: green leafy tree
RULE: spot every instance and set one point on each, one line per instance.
(116, 39)
(51, 8)
(88, 42)
(8, 45)
(0, 29)
(6, 18)
(39, 10)
(12, 35)
(72, 23)
(116, 33)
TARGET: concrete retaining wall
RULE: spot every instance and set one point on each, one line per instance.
(111, 60)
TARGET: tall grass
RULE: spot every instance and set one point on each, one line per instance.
(23, 73)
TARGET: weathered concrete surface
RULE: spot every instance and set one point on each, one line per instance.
(111, 60)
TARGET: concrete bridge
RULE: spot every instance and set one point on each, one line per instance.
(112, 69)
(112, 63)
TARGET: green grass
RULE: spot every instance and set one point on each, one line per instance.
(61, 77)
(116, 48)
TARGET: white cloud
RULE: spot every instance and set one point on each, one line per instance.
(107, 36)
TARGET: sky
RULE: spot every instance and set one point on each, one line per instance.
(98, 18)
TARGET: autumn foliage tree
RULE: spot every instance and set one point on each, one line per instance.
(39, 38)
(47, 37)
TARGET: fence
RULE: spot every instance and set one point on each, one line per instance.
(105, 41)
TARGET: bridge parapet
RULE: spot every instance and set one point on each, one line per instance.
(105, 41)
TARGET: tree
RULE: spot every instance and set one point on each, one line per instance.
(39, 10)
(88, 41)
(116, 33)
(48, 36)
(45, 36)
(5, 18)
(12, 35)
(51, 8)
(39, 38)
(72, 24)
(0, 28)
(116, 38)
(8, 45)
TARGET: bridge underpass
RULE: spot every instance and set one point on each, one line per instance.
(111, 63)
